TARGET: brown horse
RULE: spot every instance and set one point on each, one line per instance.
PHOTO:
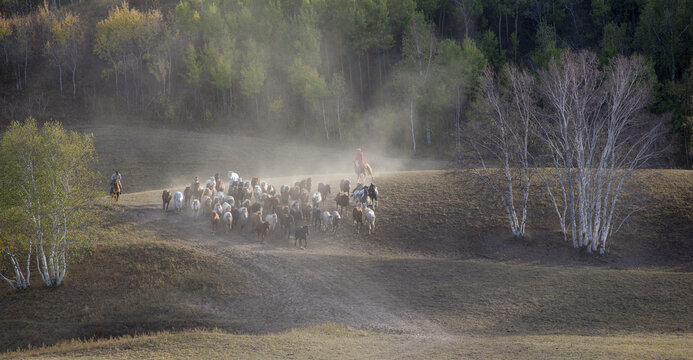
(115, 189)
(363, 172)
(196, 190)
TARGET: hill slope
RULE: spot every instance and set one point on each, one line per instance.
(339, 342)
(439, 278)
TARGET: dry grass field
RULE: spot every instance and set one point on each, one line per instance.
(332, 341)
(440, 278)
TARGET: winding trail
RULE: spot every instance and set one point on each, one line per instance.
(337, 279)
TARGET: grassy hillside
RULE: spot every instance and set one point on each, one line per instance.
(338, 342)
(450, 212)
(426, 212)
(440, 278)
(126, 287)
(152, 271)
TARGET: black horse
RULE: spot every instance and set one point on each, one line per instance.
(373, 195)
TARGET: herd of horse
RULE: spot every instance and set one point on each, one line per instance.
(272, 206)
(361, 172)
(293, 209)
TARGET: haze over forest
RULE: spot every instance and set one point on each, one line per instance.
(401, 73)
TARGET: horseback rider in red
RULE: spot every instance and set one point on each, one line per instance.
(359, 158)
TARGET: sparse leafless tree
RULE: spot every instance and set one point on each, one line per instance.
(596, 138)
(504, 140)
(35, 105)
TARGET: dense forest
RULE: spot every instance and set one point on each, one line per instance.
(397, 72)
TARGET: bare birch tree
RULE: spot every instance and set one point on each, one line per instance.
(504, 140)
(597, 139)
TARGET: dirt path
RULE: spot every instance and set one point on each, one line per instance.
(313, 289)
(330, 281)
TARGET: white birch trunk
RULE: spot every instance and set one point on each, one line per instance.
(457, 120)
(506, 139)
(339, 120)
(21, 281)
(597, 139)
(428, 132)
(74, 83)
(411, 117)
(324, 121)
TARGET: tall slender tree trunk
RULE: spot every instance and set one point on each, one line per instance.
(125, 87)
(411, 117)
(466, 25)
(74, 83)
(60, 70)
(573, 223)
(685, 147)
(517, 36)
(341, 62)
(360, 81)
(268, 116)
(428, 132)
(339, 121)
(257, 110)
(327, 56)
(500, 35)
(457, 120)
(26, 63)
(442, 21)
(115, 72)
(324, 121)
(170, 67)
(351, 78)
(380, 68)
(368, 70)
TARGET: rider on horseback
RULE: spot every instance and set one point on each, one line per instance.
(116, 187)
(115, 178)
(359, 159)
(116, 175)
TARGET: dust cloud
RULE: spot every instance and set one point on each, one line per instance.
(150, 158)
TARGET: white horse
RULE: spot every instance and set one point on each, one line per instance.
(362, 171)
(233, 177)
